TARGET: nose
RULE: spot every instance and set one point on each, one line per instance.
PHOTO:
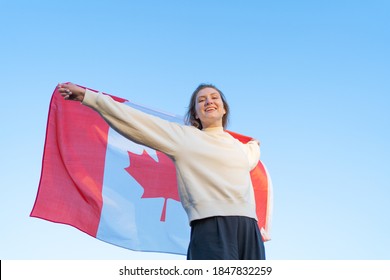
(208, 101)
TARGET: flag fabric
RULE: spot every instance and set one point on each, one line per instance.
(115, 190)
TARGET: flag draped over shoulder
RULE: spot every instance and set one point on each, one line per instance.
(116, 190)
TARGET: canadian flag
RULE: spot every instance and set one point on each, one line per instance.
(115, 190)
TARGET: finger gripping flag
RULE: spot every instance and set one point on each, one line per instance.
(115, 190)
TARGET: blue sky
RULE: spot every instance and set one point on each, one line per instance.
(309, 79)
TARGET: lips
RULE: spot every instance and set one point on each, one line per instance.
(209, 109)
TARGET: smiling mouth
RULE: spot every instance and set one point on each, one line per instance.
(210, 109)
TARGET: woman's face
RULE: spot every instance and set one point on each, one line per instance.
(209, 108)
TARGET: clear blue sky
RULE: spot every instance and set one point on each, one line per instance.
(309, 79)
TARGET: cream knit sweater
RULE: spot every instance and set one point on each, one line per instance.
(212, 167)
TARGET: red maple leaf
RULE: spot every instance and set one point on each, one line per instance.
(158, 178)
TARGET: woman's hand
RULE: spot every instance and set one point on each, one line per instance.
(71, 92)
(255, 140)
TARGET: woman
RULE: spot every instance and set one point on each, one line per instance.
(213, 168)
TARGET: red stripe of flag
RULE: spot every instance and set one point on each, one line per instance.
(72, 174)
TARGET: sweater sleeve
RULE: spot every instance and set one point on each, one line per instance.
(135, 125)
(253, 150)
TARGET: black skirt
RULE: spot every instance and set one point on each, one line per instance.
(225, 238)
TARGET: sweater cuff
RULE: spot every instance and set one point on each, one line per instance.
(90, 98)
